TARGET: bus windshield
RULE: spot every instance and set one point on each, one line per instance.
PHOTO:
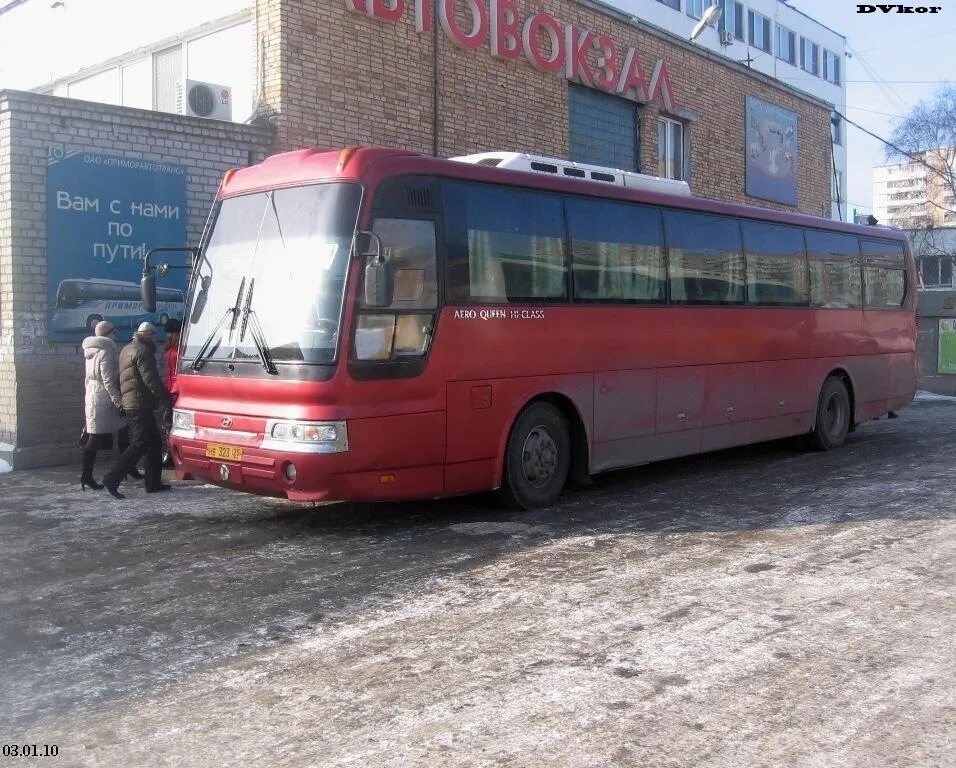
(275, 265)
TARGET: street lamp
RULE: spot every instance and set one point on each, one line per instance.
(709, 19)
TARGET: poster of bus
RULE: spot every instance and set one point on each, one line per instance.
(771, 166)
(104, 213)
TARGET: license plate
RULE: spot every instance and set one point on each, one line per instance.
(223, 452)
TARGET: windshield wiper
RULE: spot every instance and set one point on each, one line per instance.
(259, 340)
(258, 337)
(232, 312)
(213, 336)
(235, 307)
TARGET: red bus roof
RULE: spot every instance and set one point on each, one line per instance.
(357, 163)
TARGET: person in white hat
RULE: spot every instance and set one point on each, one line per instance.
(102, 402)
(142, 390)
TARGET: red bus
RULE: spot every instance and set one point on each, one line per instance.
(374, 324)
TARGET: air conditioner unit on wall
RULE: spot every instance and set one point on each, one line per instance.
(198, 99)
(726, 37)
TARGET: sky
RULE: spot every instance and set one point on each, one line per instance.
(896, 60)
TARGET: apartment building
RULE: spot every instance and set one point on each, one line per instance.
(917, 194)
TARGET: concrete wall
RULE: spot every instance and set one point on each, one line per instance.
(41, 383)
(336, 78)
(933, 306)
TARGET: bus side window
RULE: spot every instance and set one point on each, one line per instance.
(884, 274)
(403, 329)
(504, 244)
(776, 264)
(705, 258)
(617, 251)
(835, 281)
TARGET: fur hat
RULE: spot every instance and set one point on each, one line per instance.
(146, 328)
(104, 328)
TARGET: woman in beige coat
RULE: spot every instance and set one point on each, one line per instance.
(104, 414)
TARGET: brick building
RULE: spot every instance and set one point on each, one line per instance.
(334, 76)
(567, 78)
(41, 382)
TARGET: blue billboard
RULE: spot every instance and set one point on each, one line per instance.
(771, 152)
(104, 213)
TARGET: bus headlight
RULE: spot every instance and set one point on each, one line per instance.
(184, 423)
(307, 436)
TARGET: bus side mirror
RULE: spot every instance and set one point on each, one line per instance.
(379, 286)
(147, 291)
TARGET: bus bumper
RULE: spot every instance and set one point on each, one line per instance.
(304, 477)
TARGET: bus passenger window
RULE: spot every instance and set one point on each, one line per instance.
(705, 258)
(506, 245)
(884, 275)
(835, 281)
(776, 264)
(617, 252)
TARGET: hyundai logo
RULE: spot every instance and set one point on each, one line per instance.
(226, 422)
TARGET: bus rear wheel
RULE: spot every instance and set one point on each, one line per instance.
(833, 416)
(537, 458)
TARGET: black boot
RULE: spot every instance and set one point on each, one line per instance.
(112, 486)
(86, 479)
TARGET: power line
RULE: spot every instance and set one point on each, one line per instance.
(916, 158)
(874, 112)
(883, 85)
(881, 81)
(898, 43)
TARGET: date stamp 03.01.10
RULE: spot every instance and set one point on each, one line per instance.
(30, 750)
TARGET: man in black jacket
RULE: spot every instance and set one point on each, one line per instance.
(142, 390)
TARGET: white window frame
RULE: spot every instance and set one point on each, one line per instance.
(732, 19)
(831, 67)
(694, 8)
(766, 30)
(836, 186)
(808, 46)
(791, 44)
(668, 154)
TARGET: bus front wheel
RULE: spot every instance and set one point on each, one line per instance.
(833, 416)
(91, 322)
(537, 458)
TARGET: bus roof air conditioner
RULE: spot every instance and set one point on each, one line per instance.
(519, 161)
(198, 99)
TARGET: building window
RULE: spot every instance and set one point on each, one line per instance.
(670, 149)
(836, 191)
(732, 18)
(786, 45)
(836, 129)
(675, 4)
(831, 67)
(809, 56)
(695, 8)
(759, 31)
(936, 271)
(103, 87)
(603, 129)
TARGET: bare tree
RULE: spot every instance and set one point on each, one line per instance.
(927, 136)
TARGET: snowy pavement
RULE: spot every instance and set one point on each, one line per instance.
(754, 607)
